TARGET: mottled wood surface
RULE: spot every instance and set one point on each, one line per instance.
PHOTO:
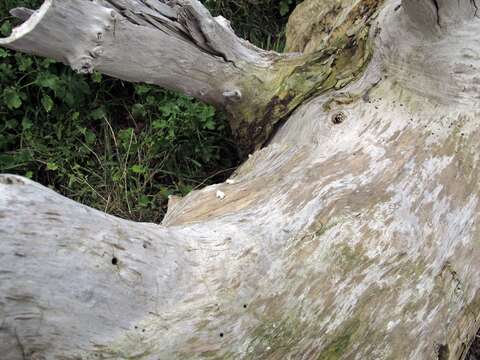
(352, 235)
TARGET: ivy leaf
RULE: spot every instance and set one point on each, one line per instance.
(3, 53)
(47, 103)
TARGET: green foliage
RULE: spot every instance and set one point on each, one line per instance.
(119, 147)
(262, 22)
(116, 146)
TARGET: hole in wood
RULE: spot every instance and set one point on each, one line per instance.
(114, 261)
(443, 352)
(338, 117)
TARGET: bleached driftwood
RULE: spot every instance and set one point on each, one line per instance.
(352, 235)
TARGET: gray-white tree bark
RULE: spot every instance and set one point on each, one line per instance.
(353, 234)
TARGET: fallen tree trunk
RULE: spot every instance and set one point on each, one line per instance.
(353, 234)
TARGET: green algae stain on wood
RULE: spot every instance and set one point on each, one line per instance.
(338, 346)
(272, 339)
(274, 93)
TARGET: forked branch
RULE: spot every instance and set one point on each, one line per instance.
(179, 45)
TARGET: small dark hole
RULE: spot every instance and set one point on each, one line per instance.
(221, 334)
(244, 306)
(143, 330)
(114, 261)
(136, 327)
(338, 118)
(144, 246)
(443, 352)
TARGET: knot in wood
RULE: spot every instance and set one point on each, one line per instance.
(338, 117)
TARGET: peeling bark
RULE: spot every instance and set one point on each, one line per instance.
(352, 235)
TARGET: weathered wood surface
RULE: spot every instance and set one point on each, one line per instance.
(352, 235)
(190, 51)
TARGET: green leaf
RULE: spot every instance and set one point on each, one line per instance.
(6, 28)
(3, 53)
(47, 103)
(47, 62)
(209, 124)
(90, 137)
(47, 80)
(284, 7)
(98, 113)
(138, 169)
(142, 89)
(11, 124)
(26, 124)
(138, 111)
(24, 62)
(52, 166)
(159, 124)
(165, 192)
(143, 201)
(96, 77)
(12, 98)
(125, 136)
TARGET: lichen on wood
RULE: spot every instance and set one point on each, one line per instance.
(292, 79)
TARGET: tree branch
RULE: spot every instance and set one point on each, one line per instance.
(181, 46)
(178, 47)
(342, 239)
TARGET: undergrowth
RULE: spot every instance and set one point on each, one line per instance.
(119, 147)
(262, 22)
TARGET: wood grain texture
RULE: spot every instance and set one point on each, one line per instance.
(352, 235)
